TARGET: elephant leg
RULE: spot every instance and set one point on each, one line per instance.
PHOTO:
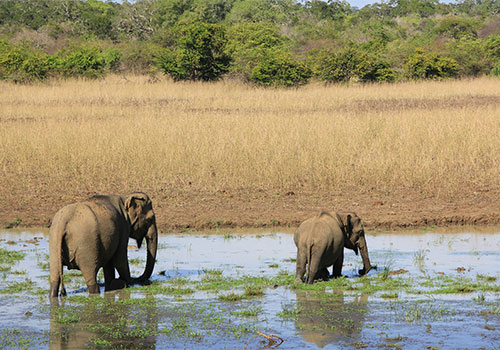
(120, 262)
(300, 267)
(90, 275)
(337, 266)
(109, 275)
(313, 268)
(323, 274)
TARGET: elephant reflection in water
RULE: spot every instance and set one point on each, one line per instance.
(80, 324)
(324, 321)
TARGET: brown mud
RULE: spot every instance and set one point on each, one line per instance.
(198, 210)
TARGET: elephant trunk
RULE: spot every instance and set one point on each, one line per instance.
(367, 266)
(152, 245)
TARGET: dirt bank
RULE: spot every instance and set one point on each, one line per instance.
(196, 211)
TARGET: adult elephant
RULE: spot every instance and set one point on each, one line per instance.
(320, 243)
(94, 233)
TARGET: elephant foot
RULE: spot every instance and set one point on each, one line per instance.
(93, 289)
(116, 284)
(364, 271)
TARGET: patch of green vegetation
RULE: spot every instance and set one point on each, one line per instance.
(175, 286)
(358, 344)
(9, 257)
(230, 297)
(251, 311)
(479, 299)
(415, 312)
(66, 316)
(12, 224)
(419, 259)
(18, 287)
(389, 295)
(486, 278)
(253, 291)
(14, 339)
(273, 266)
(289, 312)
(397, 338)
(97, 343)
(213, 272)
(136, 262)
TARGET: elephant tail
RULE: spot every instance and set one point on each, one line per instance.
(56, 236)
(308, 260)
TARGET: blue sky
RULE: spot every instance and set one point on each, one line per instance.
(361, 3)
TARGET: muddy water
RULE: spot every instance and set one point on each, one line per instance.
(431, 290)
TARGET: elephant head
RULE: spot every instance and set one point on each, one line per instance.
(143, 225)
(355, 238)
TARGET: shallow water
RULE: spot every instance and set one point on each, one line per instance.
(414, 316)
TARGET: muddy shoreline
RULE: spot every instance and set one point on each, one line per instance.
(198, 210)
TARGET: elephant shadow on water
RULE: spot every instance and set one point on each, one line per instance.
(111, 320)
(330, 320)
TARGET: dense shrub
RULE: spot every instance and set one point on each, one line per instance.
(249, 43)
(468, 52)
(375, 70)
(82, 62)
(200, 53)
(21, 64)
(496, 70)
(337, 67)
(112, 59)
(428, 65)
(279, 68)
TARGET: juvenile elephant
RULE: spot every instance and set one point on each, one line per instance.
(320, 243)
(94, 233)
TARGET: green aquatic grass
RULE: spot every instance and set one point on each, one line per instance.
(251, 311)
(486, 278)
(18, 287)
(10, 257)
(253, 291)
(289, 311)
(230, 297)
(389, 295)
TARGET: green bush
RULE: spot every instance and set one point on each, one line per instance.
(112, 59)
(491, 47)
(340, 66)
(428, 65)
(21, 64)
(82, 62)
(139, 56)
(469, 54)
(373, 70)
(279, 68)
(249, 43)
(200, 53)
(496, 70)
(455, 27)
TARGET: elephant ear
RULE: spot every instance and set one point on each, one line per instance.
(134, 204)
(349, 225)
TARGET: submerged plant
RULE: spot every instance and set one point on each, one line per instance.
(419, 260)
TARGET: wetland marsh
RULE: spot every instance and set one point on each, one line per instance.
(432, 290)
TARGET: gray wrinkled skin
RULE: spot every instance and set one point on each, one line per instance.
(94, 233)
(320, 243)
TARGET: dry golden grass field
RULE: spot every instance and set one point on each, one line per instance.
(228, 154)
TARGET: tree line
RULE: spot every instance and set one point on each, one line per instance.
(266, 42)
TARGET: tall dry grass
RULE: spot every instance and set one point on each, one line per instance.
(119, 135)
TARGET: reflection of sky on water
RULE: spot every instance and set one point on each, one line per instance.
(267, 254)
(373, 317)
